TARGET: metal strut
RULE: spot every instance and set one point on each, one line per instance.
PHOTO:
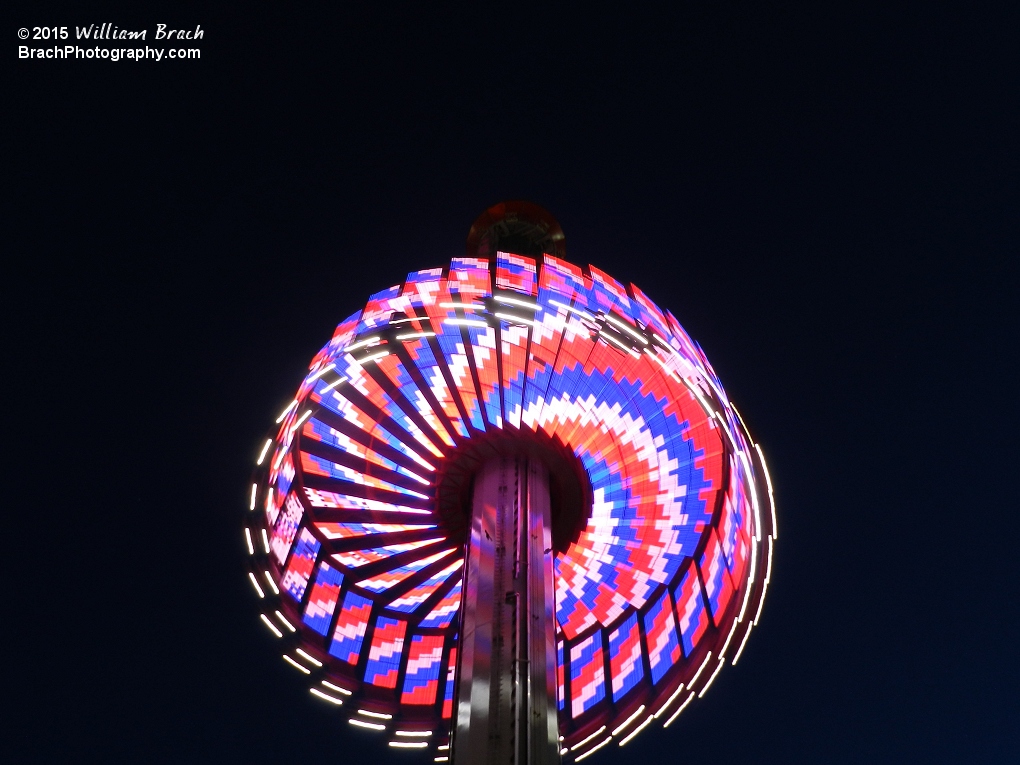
(506, 698)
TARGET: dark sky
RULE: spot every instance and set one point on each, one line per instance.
(826, 198)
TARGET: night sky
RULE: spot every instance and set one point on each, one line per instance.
(826, 199)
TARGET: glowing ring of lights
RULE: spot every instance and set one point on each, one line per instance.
(361, 578)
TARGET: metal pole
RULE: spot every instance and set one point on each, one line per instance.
(506, 710)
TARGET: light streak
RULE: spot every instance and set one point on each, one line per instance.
(378, 715)
(765, 584)
(272, 583)
(579, 744)
(637, 730)
(663, 343)
(255, 584)
(364, 724)
(373, 357)
(293, 663)
(305, 416)
(368, 341)
(279, 458)
(743, 642)
(265, 450)
(414, 733)
(442, 758)
(512, 318)
(336, 688)
(334, 384)
(679, 709)
(284, 622)
(254, 491)
(618, 344)
(627, 328)
(271, 626)
(768, 482)
(321, 372)
(729, 637)
(517, 301)
(698, 673)
(443, 748)
(265, 541)
(309, 657)
(571, 309)
(455, 322)
(718, 666)
(629, 720)
(409, 744)
(669, 701)
(247, 538)
(754, 497)
(327, 697)
(750, 583)
(413, 335)
(286, 411)
(593, 749)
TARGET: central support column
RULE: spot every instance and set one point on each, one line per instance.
(506, 701)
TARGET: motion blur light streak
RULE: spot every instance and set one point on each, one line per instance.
(271, 626)
(255, 584)
(293, 663)
(654, 495)
(637, 730)
(326, 696)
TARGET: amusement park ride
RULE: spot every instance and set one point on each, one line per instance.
(510, 515)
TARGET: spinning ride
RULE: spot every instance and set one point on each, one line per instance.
(511, 511)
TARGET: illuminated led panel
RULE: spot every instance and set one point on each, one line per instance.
(317, 430)
(424, 659)
(736, 511)
(647, 313)
(313, 465)
(423, 358)
(718, 587)
(483, 347)
(378, 309)
(514, 357)
(394, 369)
(322, 600)
(384, 581)
(516, 272)
(283, 479)
(690, 608)
(414, 598)
(560, 693)
(625, 657)
(451, 673)
(329, 499)
(609, 294)
(295, 579)
(366, 385)
(447, 321)
(443, 613)
(332, 530)
(351, 626)
(660, 629)
(356, 558)
(384, 652)
(342, 406)
(587, 675)
(286, 529)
